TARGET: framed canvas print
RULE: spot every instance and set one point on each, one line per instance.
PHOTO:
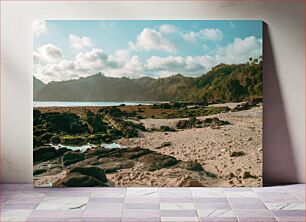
(174, 103)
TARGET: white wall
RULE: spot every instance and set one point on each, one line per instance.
(284, 151)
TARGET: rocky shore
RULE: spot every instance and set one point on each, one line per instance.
(175, 144)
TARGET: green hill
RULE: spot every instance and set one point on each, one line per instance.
(37, 85)
(223, 83)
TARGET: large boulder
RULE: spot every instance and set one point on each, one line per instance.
(44, 153)
(78, 180)
(92, 171)
(193, 166)
(72, 157)
(64, 122)
(61, 151)
(156, 161)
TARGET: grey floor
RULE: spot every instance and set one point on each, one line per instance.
(21, 202)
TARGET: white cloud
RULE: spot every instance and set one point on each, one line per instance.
(167, 28)
(204, 34)
(36, 58)
(191, 36)
(88, 63)
(40, 27)
(190, 65)
(94, 60)
(150, 39)
(212, 34)
(49, 53)
(240, 50)
(165, 63)
(122, 55)
(77, 42)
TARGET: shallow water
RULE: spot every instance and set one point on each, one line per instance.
(72, 104)
(87, 146)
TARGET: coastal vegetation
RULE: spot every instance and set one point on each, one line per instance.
(224, 83)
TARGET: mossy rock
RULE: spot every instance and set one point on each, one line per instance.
(73, 140)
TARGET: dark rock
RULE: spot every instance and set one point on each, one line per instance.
(78, 180)
(48, 156)
(36, 114)
(96, 122)
(133, 153)
(252, 102)
(193, 166)
(194, 122)
(156, 161)
(99, 138)
(64, 122)
(164, 144)
(237, 154)
(185, 124)
(44, 153)
(72, 157)
(92, 171)
(61, 151)
(189, 182)
(231, 175)
(39, 171)
(162, 106)
(214, 122)
(166, 129)
(38, 132)
(55, 140)
(111, 165)
(247, 175)
(46, 137)
(112, 111)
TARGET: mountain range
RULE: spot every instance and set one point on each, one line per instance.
(225, 82)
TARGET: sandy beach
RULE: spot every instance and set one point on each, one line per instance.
(212, 147)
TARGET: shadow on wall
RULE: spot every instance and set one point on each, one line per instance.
(279, 164)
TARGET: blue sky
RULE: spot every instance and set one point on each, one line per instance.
(134, 48)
